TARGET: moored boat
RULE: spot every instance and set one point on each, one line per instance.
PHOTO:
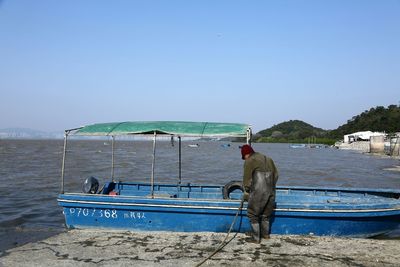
(193, 145)
(190, 207)
(298, 146)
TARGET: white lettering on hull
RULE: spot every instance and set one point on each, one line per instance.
(105, 213)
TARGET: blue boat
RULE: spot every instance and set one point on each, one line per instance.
(298, 146)
(212, 208)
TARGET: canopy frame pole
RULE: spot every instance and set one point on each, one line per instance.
(248, 136)
(112, 157)
(153, 164)
(63, 161)
(180, 160)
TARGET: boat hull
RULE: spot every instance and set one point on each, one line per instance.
(151, 215)
(374, 215)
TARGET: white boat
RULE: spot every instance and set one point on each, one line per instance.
(193, 145)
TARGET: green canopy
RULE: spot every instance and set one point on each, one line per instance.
(181, 128)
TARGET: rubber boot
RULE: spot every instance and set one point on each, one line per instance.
(255, 235)
(265, 229)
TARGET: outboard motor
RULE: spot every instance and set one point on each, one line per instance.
(90, 186)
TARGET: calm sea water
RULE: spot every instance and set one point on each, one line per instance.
(30, 173)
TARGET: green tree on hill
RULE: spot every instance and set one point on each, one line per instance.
(293, 131)
(379, 119)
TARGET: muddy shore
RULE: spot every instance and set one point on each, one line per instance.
(100, 248)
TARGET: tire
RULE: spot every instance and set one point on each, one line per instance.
(230, 187)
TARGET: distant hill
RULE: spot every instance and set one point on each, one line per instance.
(378, 119)
(293, 131)
(292, 128)
(25, 133)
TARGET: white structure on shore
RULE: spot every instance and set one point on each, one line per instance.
(361, 136)
(372, 142)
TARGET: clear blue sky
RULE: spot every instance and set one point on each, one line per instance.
(68, 63)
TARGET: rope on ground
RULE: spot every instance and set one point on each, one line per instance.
(223, 243)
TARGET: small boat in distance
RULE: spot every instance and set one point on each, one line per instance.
(193, 145)
(187, 207)
(307, 146)
(298, 146)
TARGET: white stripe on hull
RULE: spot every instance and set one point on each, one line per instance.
(225, 208)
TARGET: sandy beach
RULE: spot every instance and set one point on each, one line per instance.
(116, 248)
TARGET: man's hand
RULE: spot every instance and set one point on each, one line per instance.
(245, 196)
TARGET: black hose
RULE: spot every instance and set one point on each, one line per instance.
(223, 244)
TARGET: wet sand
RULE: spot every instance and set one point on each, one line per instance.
(116, 248)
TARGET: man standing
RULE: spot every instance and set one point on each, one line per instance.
(259, 181)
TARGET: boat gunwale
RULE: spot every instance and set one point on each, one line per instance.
(390, 204)
(166, 205)
(278, 188)
(363, 200)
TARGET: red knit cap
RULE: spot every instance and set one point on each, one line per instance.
(246, 149)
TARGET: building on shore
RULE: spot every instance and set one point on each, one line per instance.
(361, 136)
(372, 142)
(388, 144)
